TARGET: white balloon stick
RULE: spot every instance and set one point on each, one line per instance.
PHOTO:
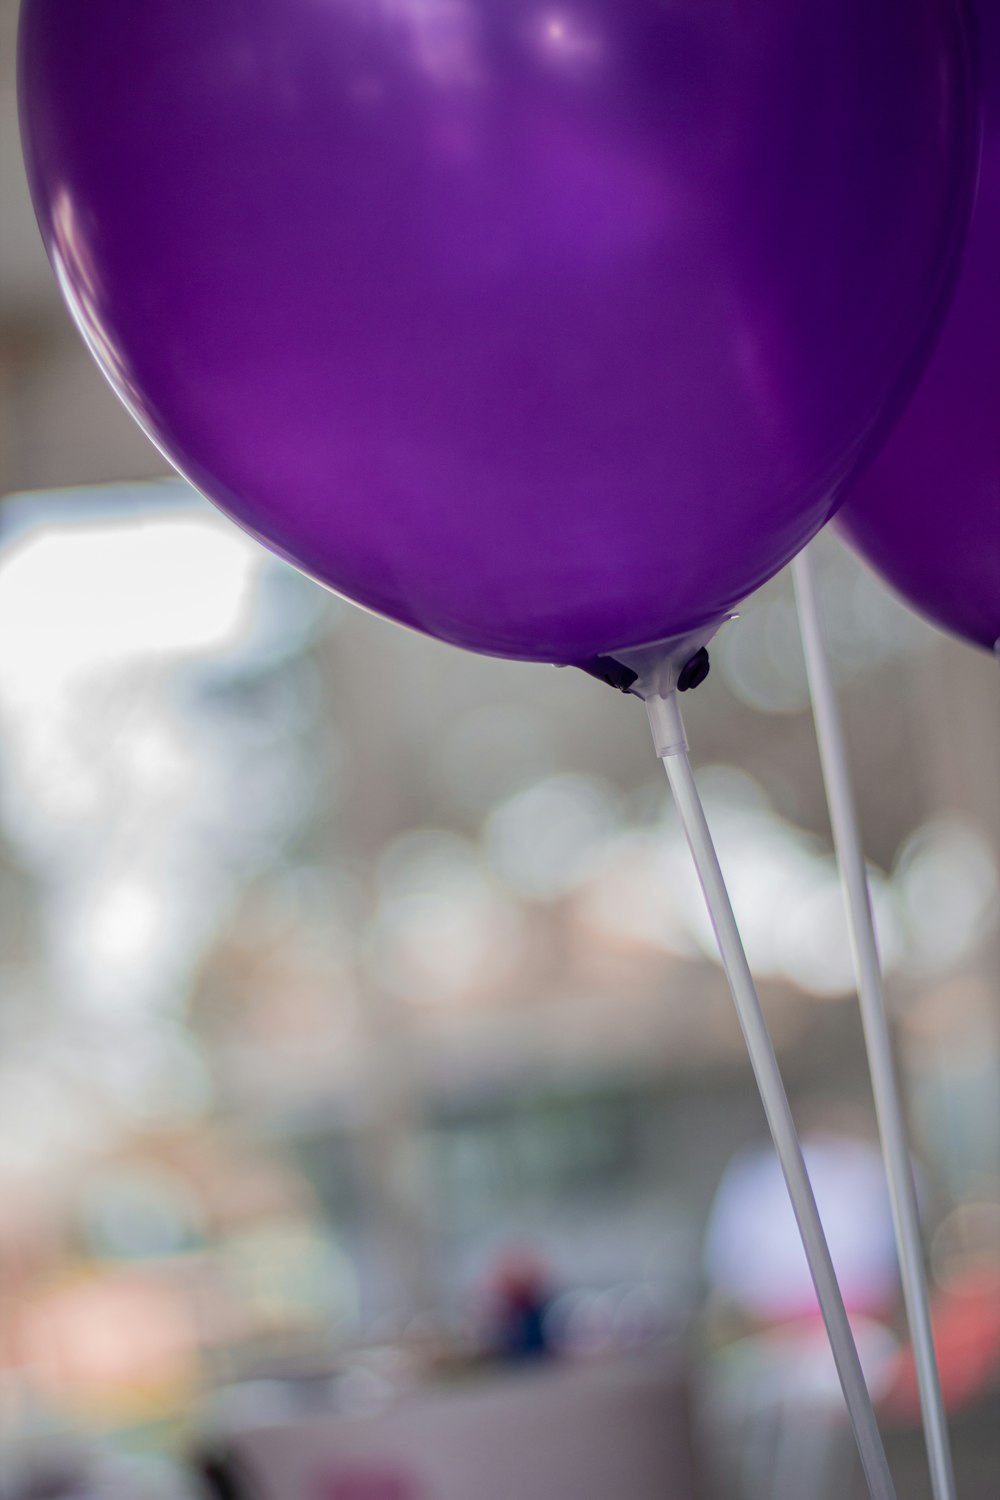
(658, 672)
(874, 1017)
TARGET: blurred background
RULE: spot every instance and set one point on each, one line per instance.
(373, 1115)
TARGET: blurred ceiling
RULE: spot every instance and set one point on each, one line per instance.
(60, 423)
(26, 290)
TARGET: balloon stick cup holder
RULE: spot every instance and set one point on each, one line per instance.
(658, 674)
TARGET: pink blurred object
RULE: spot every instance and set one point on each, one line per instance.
(366, 1484)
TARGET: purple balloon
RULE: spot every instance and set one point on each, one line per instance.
(549, 327)
(927, 513)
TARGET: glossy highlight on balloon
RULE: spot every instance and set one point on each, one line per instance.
(927, 514)
(548, 327)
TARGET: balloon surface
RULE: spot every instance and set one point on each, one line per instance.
(548, 327)
(927, 513)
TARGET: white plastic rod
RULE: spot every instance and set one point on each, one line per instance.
(672, 747)
(878, 1042)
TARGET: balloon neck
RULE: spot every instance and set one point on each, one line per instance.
(657, 673)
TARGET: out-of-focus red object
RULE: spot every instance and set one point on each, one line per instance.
(520, 1293)
(966, 1323)
(520, 1279)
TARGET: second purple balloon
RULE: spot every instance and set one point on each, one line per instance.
(927, 515)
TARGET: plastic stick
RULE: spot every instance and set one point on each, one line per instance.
(878, 1043)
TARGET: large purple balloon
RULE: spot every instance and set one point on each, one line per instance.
(927, 515)
(546, 326)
